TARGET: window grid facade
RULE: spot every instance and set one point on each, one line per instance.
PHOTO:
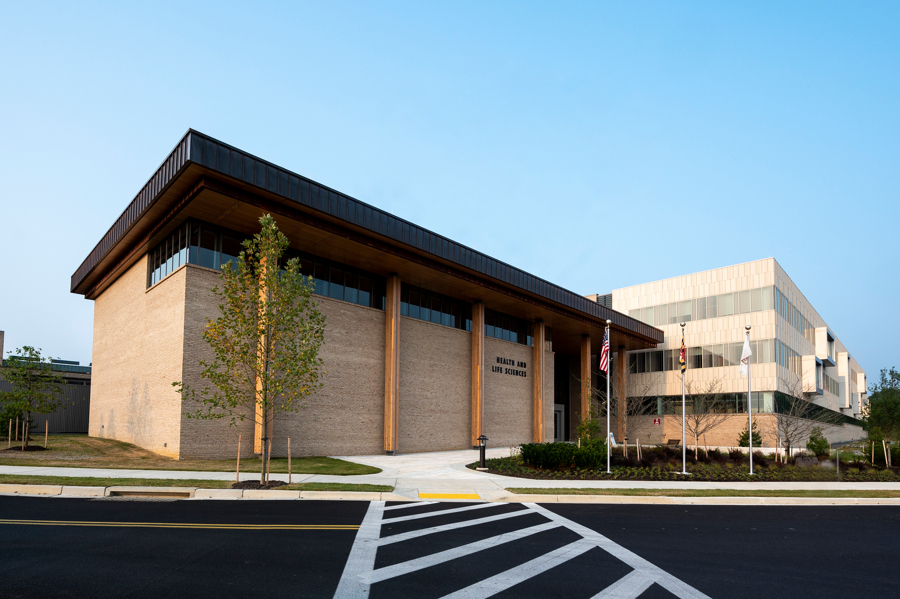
(713, 306)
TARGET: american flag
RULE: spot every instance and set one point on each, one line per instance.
(604, 353)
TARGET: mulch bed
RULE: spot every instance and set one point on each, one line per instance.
(29, 448)
(855, 472)
(254, 484)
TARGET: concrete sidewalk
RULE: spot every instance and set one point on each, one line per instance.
(444, 475)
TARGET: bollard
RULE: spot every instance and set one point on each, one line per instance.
(482, 440)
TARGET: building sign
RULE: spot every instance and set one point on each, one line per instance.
(657, 421)
(510, 367)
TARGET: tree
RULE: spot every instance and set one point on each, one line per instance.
(639, 401)
(883, 410)
(36, 387)
(795, 416)
(708, 408)
(818, 445)
(744, 437)
(265, 340)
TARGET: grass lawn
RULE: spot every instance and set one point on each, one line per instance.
(706, 492)
(87, 481)
(81, 451)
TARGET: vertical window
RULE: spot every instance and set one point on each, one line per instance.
(684, 311)
(711, 311)
(351, 288)
(768, 298)
(726, 304)
(207, 252)
(744, 302)
(662, 315)
(756, 300)
(700, 312)
(365, 291)
(336, 283)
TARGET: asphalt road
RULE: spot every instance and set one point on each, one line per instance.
(134, 548)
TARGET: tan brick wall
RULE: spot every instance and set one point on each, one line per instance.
(344, 418)
(508, 403)
(205, 438)
(435, 387)
(137, 354)
(146, 339)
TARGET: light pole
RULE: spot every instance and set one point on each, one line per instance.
(683, 422)
(608, 432)
(749, 404)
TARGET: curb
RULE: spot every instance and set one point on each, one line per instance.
(497, 497)
(194, 493)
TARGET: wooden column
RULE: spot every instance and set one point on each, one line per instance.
(392, 364)
(537, 368)
(585, 376)
(477, 372)
(622, 390)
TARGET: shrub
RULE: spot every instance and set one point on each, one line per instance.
(760, 460)
(591, 455)
(818, 445)
(744, 437)
(735, 455)
(549, 455)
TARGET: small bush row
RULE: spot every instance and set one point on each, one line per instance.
(564, 456)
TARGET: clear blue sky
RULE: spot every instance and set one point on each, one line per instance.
(594, 144)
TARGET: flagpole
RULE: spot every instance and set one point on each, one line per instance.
(750, 403)
(608, 361)
(683, 446)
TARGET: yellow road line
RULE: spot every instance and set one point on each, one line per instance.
(449, 496)
(183, 525)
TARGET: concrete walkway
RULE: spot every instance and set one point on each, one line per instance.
(442, 475)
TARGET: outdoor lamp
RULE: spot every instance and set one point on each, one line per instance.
(481, 444)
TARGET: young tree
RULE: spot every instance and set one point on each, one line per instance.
(36, 388)
(265, 340)
(795, 416)
(883, 410)
(639, 401)
(708, 410)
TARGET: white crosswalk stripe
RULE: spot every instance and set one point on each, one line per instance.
(477, 506)
(360, 573)
(504, 580)
(457, 552)
(629, 586)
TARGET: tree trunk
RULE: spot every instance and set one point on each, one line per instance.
(263, 472)
(26, 431)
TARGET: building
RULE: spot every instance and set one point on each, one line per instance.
(428, 343)
(73, 416)
(795, 353)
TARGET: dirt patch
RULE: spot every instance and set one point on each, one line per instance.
(251, 484)
(29, 448)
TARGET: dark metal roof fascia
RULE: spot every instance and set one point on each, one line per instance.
(230, 161)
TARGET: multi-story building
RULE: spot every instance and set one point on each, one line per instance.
(429, 344)
(795, 353)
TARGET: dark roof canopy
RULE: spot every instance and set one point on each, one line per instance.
(199, 152)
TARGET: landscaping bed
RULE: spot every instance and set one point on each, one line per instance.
(851, 493)
(661, 464)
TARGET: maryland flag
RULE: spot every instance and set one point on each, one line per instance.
(682, 357)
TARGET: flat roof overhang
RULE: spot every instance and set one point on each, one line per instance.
(207, 179)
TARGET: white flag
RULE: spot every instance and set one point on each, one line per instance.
(745, 357)
(612, 440)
